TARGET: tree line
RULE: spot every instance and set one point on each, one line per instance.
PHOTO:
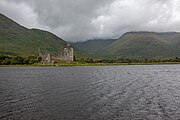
(17, 60)
(127, 60)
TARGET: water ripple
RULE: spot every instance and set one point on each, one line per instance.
(90, 93)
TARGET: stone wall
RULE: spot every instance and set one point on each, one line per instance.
(67, 54)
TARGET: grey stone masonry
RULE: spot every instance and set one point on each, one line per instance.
(67, 54)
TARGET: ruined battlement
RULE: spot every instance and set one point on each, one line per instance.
(67, 54)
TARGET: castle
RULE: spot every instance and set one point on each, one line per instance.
(67, 54)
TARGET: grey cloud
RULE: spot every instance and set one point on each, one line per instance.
(77, 20)
(20, 12)
(74, 16)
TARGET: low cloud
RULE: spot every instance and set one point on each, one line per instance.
(88, 19)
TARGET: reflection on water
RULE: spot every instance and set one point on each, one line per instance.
(90, 93)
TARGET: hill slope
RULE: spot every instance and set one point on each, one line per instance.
(143, 45)
(18, 40)
(139, 45)
(92, 46)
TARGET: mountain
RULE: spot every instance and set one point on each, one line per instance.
(92, 46)
(18, 40)
(138, 45)
(144, 45)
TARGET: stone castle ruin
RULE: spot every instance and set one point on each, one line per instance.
(67, 54)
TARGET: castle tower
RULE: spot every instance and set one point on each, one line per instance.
(48, 57)
(67, 53)
(71, 54)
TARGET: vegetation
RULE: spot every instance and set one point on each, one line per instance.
(142, 45)
(17, 60)
(36, 60)
(17, 40)
(129, 61)
(92, 46)
(107, 62)
(136, 45)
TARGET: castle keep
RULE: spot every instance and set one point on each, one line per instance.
(67, 54)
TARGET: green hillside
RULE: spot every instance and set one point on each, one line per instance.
(92, 46)
(18, 40)
(142, 45)
(138, 45)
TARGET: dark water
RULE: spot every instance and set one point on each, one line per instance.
(90, 93)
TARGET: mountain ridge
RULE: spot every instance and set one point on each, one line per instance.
(19, 40)
(142, 45)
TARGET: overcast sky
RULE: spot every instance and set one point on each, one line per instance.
(79, 20)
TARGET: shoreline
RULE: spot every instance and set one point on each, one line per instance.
(92, 64)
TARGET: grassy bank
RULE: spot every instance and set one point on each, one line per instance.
(90, 64)
(114, 64)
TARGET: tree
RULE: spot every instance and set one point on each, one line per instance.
(17, 60)
(6, 62)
